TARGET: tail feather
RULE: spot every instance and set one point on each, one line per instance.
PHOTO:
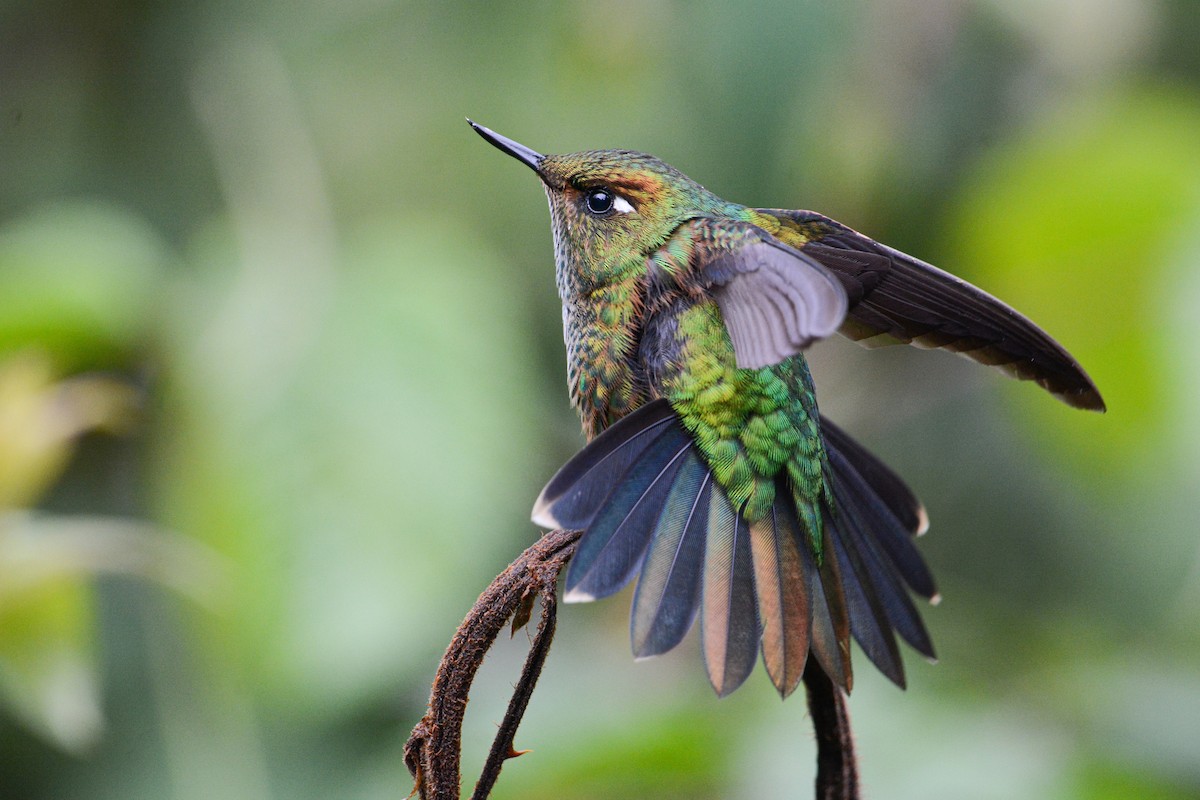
(868, 621)
(899, 550)
(887, 487)
(782, 599)
(668, 590)
(612, 546)
(881, 575)
(576, 492)
(861, 489)
(830, 628)
(729, 631)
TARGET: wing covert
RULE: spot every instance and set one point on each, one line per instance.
(774, 299)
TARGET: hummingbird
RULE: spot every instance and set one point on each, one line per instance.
(709, 472)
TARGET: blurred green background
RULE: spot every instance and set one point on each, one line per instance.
(281, 372)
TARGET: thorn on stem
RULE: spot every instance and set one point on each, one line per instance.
(523, 613)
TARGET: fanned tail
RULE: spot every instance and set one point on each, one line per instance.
(648, 504)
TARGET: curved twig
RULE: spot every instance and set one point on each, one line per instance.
(434, 749)
(502, 747)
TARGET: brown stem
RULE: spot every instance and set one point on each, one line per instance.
(503, 748)
(434, 749)
(837, 773)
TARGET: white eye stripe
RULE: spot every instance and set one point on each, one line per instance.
(621, 205)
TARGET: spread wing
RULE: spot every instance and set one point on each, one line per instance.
(897, 299)
(774, 299)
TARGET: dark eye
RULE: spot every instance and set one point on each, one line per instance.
(599, 201)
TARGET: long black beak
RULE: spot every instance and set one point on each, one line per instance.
(529, 158)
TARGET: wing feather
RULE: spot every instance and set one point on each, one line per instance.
(896, 298)
(775, 299)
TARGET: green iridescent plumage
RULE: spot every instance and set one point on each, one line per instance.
(710, 470)
(751, 425)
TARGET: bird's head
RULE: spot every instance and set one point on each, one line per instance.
(610, 208)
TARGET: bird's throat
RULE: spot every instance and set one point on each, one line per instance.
(602, 329)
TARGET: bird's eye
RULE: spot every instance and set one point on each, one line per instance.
(599, 201)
